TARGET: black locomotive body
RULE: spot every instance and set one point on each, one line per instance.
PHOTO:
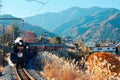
(20, 53)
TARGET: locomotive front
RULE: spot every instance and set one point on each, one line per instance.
(20, 50)
(19, 53)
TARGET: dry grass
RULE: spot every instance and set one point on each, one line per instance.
(59, 69)
(56, 68)
(107, 63)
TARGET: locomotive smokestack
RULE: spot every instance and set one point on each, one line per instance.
(18, 40)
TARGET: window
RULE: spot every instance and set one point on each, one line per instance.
(113, 48)
(91, 48)
(99, 48)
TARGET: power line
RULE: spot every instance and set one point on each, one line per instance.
(42, 6)
(37, 10)
(37, 1)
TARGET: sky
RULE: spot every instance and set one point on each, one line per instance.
(25, 8)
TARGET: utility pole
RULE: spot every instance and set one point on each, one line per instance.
(3, 32)
(13, 35)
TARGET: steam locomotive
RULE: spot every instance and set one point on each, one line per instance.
(20, 53)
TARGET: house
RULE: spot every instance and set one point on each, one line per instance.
(104, 49)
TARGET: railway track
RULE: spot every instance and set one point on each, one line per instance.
(22, 74)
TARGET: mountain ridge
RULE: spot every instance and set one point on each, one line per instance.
(37, 29)
(50, 20)
(95, 28)
(91, 24)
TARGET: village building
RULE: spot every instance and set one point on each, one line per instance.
(114, 48)
(104, 49)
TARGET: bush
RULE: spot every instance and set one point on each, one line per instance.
(104, 62)
(75, 56)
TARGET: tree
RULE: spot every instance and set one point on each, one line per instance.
(80, 43)
(8, 34)
(13, 30)
(40, 39)
(16, 32)
(29, 36)
(57, 40)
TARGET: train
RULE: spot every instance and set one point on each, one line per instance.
(22, 51)
(19, 54)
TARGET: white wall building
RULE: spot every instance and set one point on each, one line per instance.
(103, 49)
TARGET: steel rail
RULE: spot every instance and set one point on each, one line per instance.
(22, 74)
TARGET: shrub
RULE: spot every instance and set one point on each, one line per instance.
(104, 62)
(75, 56)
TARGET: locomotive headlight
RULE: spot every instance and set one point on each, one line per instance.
(20, 43)
(20, 54)
(27, 47)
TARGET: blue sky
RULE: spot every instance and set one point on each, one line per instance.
(24, 8)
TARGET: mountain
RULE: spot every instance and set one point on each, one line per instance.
(50, 21)
(98, 27)
(90, 24)
(37, 29)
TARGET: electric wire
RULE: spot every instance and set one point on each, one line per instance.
(37, 1)
(37, 10)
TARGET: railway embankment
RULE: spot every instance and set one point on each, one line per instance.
(8, 73)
